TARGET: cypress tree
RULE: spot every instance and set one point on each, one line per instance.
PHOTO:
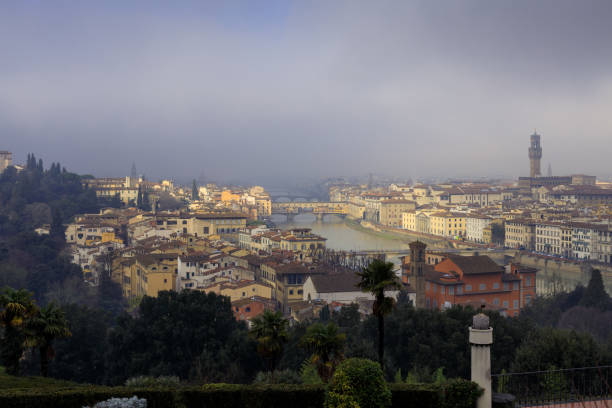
(194, 191)
(139, 198)
(595, 294)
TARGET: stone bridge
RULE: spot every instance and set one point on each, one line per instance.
(319, 209)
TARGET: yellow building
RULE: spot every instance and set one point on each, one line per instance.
(487, 234)
(216, 223)
(391, 211)
(229, 196)
(303, 241)
(149, 274)
(520, 234)
(245, 289)
(409, 220)
(448, 224)
(264, 206)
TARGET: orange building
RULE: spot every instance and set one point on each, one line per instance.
(248, 308)
(478, 280)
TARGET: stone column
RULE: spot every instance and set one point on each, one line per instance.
(481, 338)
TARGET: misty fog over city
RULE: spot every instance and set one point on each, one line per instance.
(305, 204)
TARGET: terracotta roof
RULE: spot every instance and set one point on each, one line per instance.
(253, 299)
(471, 265)
(341, 282)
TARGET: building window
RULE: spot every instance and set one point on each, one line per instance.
(459, 290)
(468, 288)
(496, 301)
(505, 304)
(291, 291)
(515, 286)
(247, 309)
(482, 286)
(442, 290)
(506, 286)
(496, 285)
(527, 281)
(451, 290)
(515, 304)
(165, 280)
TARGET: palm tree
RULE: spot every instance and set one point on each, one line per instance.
(377, 277)
(326, 346)
(16, 306)
(270, 331)
(44, 327)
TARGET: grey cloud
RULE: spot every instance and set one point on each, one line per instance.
(408, 88)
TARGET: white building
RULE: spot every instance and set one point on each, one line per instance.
(339, 288)
(194, 271)
(553, 238)
(582, 240)
(474, 227)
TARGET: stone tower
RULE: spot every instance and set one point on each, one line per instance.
(535, 154)
(417, 271)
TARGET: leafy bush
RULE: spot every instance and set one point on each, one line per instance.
(309, 374)
(460, 393)
(358, 383)
(152, 382)
(277, 377)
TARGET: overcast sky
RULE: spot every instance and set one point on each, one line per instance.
(268, 91)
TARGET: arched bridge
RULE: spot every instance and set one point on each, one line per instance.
(317, 208)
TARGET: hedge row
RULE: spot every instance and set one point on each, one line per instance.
(79, 397)
(457, 393)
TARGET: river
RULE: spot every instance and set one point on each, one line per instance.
(343, 236)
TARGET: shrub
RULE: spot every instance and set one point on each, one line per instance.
(152, 382)
(460, 393)
(416, 395)
(358, 383)
(309, 374)
(277, 377)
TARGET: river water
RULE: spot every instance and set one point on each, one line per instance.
(342, 236)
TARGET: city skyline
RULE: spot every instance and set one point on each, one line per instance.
(291, 91)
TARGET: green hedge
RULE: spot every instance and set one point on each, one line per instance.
(456, 393)
(416, 395)
(452, 394)
(254, 396)
(83, 396)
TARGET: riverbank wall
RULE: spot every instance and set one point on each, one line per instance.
(432, 241)
(556, 275)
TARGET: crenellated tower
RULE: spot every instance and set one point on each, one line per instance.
(535, 154)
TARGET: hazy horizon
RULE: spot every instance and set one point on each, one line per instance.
(270, 92)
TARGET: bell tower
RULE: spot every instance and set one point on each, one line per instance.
(417, 270)
(535, 154)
